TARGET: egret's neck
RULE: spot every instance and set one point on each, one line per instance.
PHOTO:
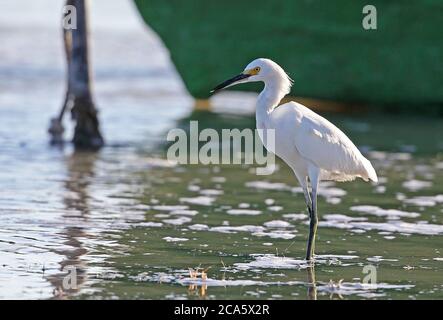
(269, 98)
(275, 89)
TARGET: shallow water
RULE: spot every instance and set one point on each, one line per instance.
(134, 226)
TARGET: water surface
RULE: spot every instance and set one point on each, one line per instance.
(134, 226)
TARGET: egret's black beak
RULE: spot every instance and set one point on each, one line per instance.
(231, 81)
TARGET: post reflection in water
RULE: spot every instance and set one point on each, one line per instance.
(80, 172)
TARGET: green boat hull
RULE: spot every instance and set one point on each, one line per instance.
(321, 44)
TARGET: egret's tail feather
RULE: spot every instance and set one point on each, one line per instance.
(370, 172)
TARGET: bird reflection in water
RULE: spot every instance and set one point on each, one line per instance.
(312, 288)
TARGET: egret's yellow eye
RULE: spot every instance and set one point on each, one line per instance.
(253, 72)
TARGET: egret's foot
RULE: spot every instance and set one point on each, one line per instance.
(310, 259)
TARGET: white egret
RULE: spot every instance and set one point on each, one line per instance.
(311, 146)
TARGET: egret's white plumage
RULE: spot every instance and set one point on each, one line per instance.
(313, 147)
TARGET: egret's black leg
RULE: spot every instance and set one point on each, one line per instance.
(312, 225)
(309, 211)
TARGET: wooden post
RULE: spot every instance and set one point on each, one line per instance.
(87, 134)
(78, 96)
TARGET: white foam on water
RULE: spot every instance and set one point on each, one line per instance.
(416, 185)
(388, 213)
(438, 259)
(199, 227)
(211, 192)
(390, 226)
(162, 215)
(169, 208)
(380, 189)
(425, 201)
(382, 180)
(200, 200)
(326, 184)
(357, 231)
(150, 224)
(335, 256)
(209, 282)
(336, 224)
(172, 239)
(400, 196)
(343, 218)
(277, 234)
(234, 229)
(270, 261)
(331, 192)
(297, 190)
(360, 289)
(275, 208)
(267, 185)
(295, 216)
(380, 258)
(184, 212)
(277, 224)
(333, 200)
(269, 202)
(178, 221)
(328, 191)
(248, 212)
(193, 187)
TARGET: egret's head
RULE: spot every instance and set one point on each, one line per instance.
(260, 70)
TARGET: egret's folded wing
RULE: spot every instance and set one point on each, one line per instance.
(326, 146)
